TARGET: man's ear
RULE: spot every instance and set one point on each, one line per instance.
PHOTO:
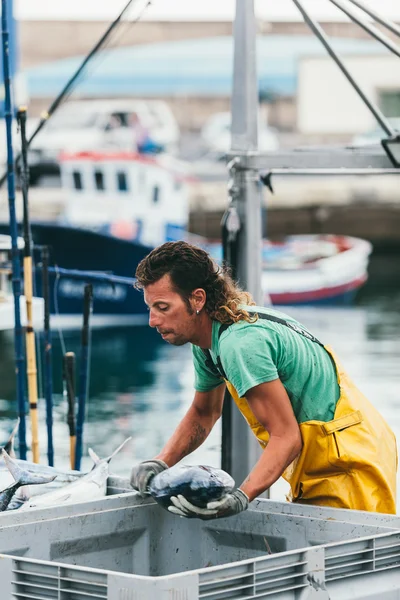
(198, 299)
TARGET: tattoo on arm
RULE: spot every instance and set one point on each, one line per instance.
(197, 437)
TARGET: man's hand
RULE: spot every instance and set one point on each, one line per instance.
(143, 472)
(229, 505)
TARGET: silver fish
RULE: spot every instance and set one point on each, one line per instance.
(57, 479)
(199, 484)
(21, 478)
(91, 486)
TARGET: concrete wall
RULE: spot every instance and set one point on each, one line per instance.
(46, 41)
(327, 103)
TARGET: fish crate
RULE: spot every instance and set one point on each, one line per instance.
(125, 548)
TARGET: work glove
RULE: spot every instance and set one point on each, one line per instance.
(229, 505)
(142, 473)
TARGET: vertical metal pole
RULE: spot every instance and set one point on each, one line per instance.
(69, 394)
(84, 373)
(28, 289)
(48, 375)
(230, 227)
(246, 200)
(16, 266)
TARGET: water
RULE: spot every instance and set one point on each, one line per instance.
(141, 387)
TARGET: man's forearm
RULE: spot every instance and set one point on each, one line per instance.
(187, 437)
(278, 454)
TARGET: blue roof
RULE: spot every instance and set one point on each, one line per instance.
(200, 67)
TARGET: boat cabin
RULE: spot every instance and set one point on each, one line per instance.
(127, 195)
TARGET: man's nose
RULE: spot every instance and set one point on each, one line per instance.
(153, 319)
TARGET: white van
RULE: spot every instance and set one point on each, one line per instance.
(88, 125)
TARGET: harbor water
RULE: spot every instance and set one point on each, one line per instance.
(140, 386)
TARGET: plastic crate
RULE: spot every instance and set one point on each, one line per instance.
(126, 548)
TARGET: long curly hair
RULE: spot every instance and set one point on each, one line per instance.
(189, 268)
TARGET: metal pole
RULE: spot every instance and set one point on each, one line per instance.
(84, 372)
(380, 37)
(230, 227)
(246, 201)
(69, 394)
(48, 375)
(379, 116)
(28, 289)
(378, 18)
(92, 276)
(246, 190)
(16, 266)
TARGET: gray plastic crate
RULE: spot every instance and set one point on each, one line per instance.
(126, 548)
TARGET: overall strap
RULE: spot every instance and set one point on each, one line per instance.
(218, 370)
(293, 326)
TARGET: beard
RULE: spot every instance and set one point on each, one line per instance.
(175, 340)
(178, 341)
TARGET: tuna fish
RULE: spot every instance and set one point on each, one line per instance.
(199, 484)
(91, 486)
(21, 478)
(56, 477)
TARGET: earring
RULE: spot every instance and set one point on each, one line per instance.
(197, 312)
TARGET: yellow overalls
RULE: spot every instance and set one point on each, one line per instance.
(349, 462)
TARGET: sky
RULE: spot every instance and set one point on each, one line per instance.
(192, 10)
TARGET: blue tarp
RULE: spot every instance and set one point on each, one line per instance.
(201, 67)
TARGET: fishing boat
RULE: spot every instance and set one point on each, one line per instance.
(120, 205)
(311, 269)
(315, 269)
(6, 295)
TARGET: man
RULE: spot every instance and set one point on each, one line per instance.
(315, 427)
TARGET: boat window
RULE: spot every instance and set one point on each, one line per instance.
(77, 177)
(99, 180)
(156, 194)
(122, 182)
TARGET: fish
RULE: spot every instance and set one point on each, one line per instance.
(21, 478)
(91, 486)
(57, 478)
(199, 484)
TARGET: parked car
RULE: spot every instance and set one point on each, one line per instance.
(216, 135)
(90, 125)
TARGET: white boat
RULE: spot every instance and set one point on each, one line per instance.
(7, 317)
(315, 269)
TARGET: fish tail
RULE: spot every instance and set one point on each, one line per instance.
(96, 459)
(9, 447)
(23, 477)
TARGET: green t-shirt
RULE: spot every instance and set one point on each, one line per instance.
(254, 353)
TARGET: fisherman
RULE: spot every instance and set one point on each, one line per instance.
(315, 427)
